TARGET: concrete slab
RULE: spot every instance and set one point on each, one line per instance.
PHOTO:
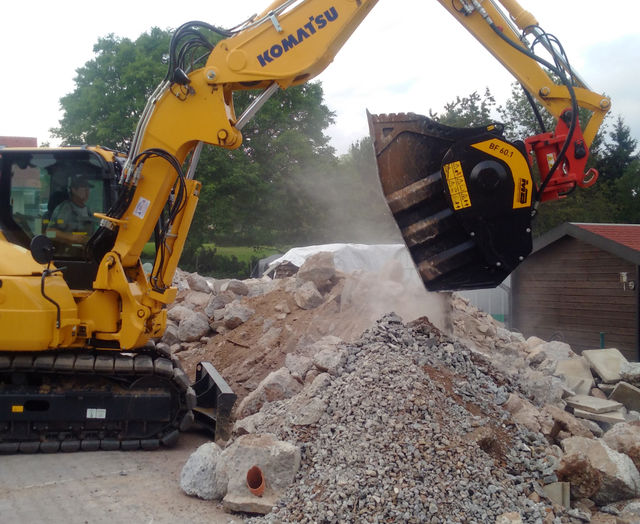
(612, 417)
(607, 363)
(575, 367)
(558, 493)
(592, 404)
(626, 394)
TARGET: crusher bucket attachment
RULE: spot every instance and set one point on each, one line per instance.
(462, 198)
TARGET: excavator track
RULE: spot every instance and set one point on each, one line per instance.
(457, 206)
(89, 401)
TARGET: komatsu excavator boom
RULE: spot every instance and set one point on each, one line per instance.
(79, 314)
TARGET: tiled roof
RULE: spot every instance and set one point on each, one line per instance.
(622, 240)
(625, 234)
(18, 141)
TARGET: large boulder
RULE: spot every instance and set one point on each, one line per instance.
(198, 283)
(330, 359)
(193, 328)
(584, 478)
(218, 302)
(198, 476)
(236, 314)
(620, 477)
(237, 287)
(178, 313)
(319, 269)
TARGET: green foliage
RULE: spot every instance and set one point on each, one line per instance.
(207, 261)
(469, 111)
(619, 151)
(112, 90)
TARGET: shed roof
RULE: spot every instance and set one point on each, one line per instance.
(622, 240)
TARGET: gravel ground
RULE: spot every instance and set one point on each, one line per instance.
(413, 432)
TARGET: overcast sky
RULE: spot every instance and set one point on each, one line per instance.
(408, 55)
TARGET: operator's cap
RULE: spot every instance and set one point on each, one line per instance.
(80, 181)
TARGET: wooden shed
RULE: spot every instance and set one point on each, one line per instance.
(580, 286)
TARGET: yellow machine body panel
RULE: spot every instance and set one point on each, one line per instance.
(28, 322)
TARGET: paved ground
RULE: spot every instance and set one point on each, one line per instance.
(103, 487)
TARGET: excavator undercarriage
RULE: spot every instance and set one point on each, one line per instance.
(80, 400)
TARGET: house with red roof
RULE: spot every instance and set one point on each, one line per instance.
(580, 286)
(18, 141)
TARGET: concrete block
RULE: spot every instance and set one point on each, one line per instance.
(607, 363)
(611, 417)
(249, 503)
(626, 394)
(592, 404)
(558, 493)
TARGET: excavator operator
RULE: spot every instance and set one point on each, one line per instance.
(71, 221)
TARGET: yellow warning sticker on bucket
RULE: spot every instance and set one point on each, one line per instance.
(457, 186)
(17, 409)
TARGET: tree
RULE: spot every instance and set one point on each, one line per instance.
(263, 193)
(619, 151)
(112, 89)
(470, 111)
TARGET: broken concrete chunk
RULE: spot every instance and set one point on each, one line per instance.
(607, 363)
(626, 394)
(620, 478)
(592, 404)
(576, 373)
(307, 296)
(512, 517)
(610, 417)
(625, 438)
(556, 350)
(278, 460)
(523, 412)
(298, 365)
(564, 421)
(630, 372)
(277, 385)
(533, 342)
(218, 302)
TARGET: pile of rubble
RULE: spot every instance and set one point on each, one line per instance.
(416, 422)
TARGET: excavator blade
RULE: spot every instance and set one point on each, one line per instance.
(462, 198)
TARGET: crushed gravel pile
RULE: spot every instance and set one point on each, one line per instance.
(413, 432)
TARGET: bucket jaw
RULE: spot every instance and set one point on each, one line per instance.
(462, 198)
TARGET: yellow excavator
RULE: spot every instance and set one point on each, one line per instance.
(79, 313)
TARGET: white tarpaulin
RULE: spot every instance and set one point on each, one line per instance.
(350, 257)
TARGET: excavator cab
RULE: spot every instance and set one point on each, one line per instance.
(462, 198)
(55, 193)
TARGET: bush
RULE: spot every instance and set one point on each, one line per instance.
(206, 261)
